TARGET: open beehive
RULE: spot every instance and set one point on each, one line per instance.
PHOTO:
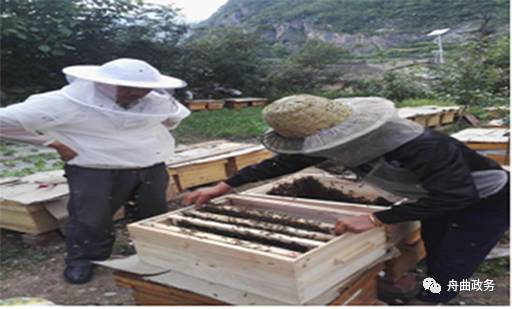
(282, 251)
(327, 190)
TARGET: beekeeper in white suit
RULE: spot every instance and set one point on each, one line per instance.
(111, 126)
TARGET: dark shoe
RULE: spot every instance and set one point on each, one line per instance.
(78, 274)
(399, 292)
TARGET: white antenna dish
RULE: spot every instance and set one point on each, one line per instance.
(438, 54)
(438, 32)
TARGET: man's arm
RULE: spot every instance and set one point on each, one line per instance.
(271, 168)
(12, 129)
(443, 174)
(181, 113)
(21, 122)
(277, 166)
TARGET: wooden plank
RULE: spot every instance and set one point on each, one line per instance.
(323, 211)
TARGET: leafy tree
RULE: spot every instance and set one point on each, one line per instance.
(306, 69)
(480, 77)
(317, 54)
(229, 60)
(39, 37)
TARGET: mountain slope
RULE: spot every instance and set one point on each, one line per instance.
(360, 26)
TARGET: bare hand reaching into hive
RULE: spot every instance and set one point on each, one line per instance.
(64, 151)
(203, 195)
(357, 224)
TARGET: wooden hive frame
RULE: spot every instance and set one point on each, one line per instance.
(267, 271)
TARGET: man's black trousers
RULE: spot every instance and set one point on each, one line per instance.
(456, 244)
(96, 194)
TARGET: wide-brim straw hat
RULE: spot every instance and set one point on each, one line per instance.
(303, 124)
(125, 72)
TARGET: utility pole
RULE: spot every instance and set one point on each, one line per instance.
(439, 56)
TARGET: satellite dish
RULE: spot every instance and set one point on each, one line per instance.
(438, 54)
(438, 32)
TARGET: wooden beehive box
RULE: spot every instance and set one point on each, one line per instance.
(327, 190)
(430, 115)
(151, 290)
(259, 102)
(212, 161)
(37, 203)
(449, 113)
(237, 103)
(25, 202)
(493, 143)
(281, 251)
(215, 104)
(196, 105)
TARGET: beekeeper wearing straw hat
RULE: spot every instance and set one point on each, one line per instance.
(460, 197)
(111, 125)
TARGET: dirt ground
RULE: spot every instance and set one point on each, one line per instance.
(36, 271)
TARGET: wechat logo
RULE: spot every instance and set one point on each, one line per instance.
(431, 285)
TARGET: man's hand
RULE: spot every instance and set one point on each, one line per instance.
(357, 224)
(64, 151)
(203, 195)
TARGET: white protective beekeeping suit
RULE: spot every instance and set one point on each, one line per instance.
(85, 116)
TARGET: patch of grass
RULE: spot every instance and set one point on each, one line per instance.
(496, 267)
(224, 123)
